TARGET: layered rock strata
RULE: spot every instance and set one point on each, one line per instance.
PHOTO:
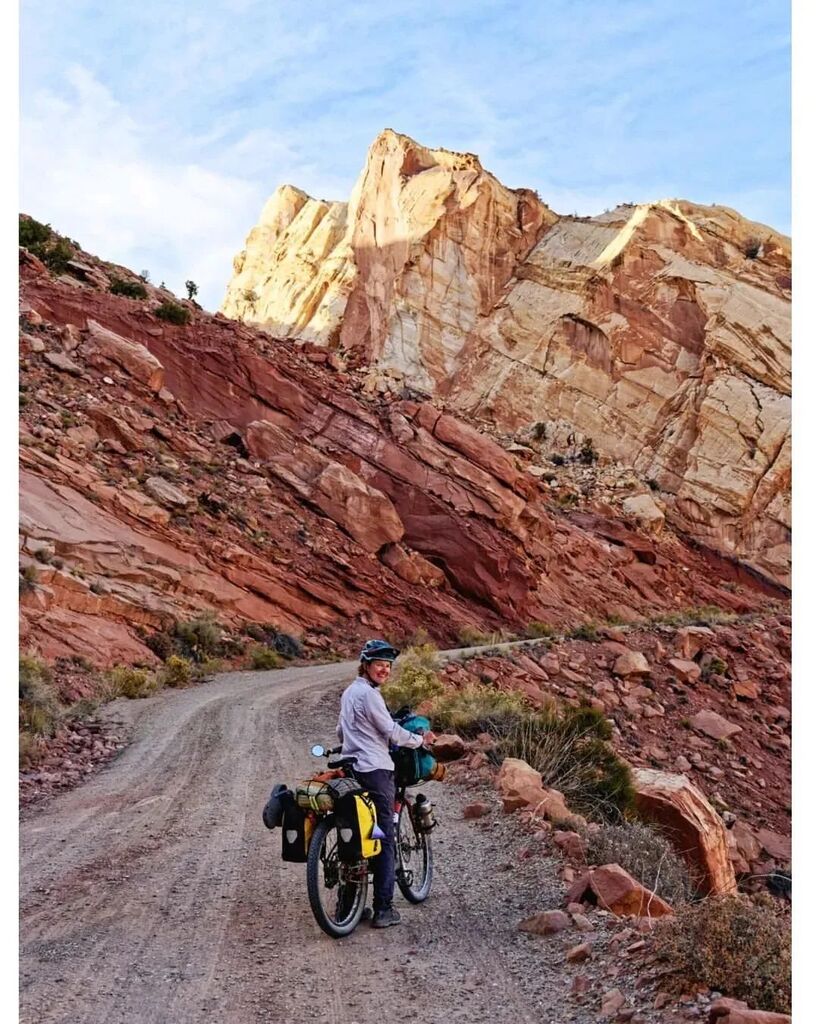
(179, 468)
(660, 331)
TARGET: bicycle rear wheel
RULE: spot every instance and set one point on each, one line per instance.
(413, 856)
(337, 892)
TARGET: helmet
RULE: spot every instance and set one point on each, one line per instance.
(378, 650)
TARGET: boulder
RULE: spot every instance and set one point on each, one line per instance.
(133, 357)
(412, 567)
(686, 671)
(478, 809)
(734, 1011)
(612, 888)
(709, 723)
(644, 510)
(687, 818)
(633, 663)
(166, 493)
(448, 747)
(521, 788)
(690, 640)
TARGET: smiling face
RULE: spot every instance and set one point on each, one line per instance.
(379, 671)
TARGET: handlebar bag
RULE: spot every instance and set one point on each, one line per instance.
(414, 765)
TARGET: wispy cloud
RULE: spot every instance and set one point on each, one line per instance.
(153, 133)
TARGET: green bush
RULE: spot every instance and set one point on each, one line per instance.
(177, 672)
(263, 658)
(540, 631)
(173, 313)
(44, 243)
(570, 749)
(199, 638)
(271, 636)
(28, 578)
(133, 683)
(588, 453)
(476, 709)
(40, 710)
(585, 631)
(32, 233)
(647, 856)
(130, 289)
(415, 678)
(737, 945)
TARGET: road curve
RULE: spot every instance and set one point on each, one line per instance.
(153, 894)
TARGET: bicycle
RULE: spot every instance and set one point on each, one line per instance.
(337, 888)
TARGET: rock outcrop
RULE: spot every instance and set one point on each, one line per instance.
(659, 331)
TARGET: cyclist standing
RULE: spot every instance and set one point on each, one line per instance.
(366, 730)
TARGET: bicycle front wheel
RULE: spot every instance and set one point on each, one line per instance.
(337, 891)
(413, 856)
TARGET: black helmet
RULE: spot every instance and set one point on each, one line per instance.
(378, 650)
(274, 808)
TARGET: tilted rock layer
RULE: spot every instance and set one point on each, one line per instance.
(660, 331)
(171, 469)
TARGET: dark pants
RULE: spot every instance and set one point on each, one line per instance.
(380, 784)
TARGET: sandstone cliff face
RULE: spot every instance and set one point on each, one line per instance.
(171, 469)
(661, 331)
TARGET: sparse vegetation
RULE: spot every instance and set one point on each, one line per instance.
(199, 638)
(647, 856)
(570, 749)
(124, 681)
(585, 631)
(588, 453)
(476, 709)
(40, 711)
(540, 631)
(735, 944)
(173, 313)
(43, 242)
(177, 672)
(263, 658)
(704, 615)
(192, 288)
(285, 644)
(249, 295)
(28, 578)
(557, 459)
(752, 248)
(539, 430)
(470, 636)
(130, 289)
(415, 678)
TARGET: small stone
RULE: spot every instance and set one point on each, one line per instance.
(579, 953)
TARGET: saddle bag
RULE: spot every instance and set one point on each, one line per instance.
(297, 828)
(357, 826)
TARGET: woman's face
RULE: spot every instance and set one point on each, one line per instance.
(379, 671)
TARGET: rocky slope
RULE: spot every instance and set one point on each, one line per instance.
(167, 469)
(660, 331)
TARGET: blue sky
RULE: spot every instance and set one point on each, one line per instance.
(153, 132)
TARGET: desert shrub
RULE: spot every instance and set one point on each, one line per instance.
(539, 631)
(414, 679)
(262, 658)
(476, 709)
(557, 459)
(567, 500)
(653, 484)
(199, 638)
(32, 233)
(285, 644)
(133, 683)
(28, 578)
(588, 453)
(177, 672)
(40, 710)
(752, 247)
(712, 666)
(130, 289)
(161, 643)
(734, 944)
(647, 856)
(173, 313)
(585, 631)
(570, 749)
(469, 636)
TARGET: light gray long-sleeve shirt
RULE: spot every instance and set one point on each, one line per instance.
(366, 728)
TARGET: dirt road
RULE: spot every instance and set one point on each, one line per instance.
(153, 894)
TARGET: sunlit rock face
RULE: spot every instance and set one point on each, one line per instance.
(660, 331)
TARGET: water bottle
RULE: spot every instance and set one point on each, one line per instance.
(424, 816)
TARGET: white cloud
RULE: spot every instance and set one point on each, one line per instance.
(97, 176)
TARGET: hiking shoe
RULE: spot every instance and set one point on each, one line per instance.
(384, 918)
(367, 914)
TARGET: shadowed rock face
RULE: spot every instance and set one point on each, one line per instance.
(661, 331)
(173, 469)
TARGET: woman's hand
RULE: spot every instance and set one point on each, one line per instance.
(429, 738)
